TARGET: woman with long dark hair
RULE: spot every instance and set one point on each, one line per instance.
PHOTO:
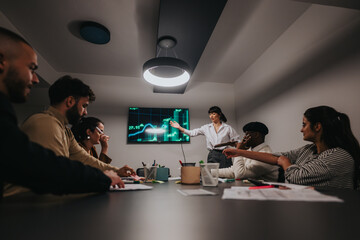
(216, 132)
(331, 161)
(89, 132)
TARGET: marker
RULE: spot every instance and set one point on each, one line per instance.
(180, 162)
(229, 180)
(261, 187)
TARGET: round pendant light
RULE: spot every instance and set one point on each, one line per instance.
(166, 71)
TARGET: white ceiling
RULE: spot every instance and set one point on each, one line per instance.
(245, 30)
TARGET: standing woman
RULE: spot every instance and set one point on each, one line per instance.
(215, 132)
(90, 131)
(331, 161)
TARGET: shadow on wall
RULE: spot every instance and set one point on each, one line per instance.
(344, 47)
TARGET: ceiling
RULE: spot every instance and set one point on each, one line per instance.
(244, 31)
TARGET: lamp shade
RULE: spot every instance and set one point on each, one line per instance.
(166, 72)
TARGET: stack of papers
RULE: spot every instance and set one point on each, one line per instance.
(195, 192)
(131, 187)
(275, 194)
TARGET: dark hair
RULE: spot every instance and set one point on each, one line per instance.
(256, 127)
(216, 109)
(79, 130)
(336, 132)
(11, 35)
(67, 86)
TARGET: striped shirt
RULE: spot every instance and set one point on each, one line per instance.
(333, 168)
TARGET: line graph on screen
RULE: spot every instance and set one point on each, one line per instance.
(152, 125)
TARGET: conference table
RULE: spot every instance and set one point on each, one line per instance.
(164, 213)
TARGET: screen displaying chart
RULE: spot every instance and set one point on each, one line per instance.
(152, 125)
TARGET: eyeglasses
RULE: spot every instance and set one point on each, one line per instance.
(99, 130)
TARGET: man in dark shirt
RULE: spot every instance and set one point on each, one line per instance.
(21, 161)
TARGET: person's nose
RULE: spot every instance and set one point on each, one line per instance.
(85, 112)
(35, 79)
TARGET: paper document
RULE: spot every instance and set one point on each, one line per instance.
(195, 192)
(275, 194)
(129, 187)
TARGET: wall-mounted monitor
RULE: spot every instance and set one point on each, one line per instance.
(152, 125)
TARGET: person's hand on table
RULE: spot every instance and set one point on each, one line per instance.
(115, 179)
(125, 171)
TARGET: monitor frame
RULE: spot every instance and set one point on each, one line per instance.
(160, 141)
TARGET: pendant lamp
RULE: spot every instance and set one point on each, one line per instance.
(166, 71)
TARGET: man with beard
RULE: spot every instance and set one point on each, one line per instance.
(69, 99)
(26, 163)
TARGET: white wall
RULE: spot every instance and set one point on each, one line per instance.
(337, 87)
(308, 66)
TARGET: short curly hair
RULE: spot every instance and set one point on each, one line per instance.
(67, 86)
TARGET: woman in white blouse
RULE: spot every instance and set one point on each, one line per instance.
(331, 161)
(216, 132)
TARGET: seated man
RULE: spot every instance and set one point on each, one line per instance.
(23, 162)
(247, 168)
(69, 98)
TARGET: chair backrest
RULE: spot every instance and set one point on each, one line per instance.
(281, 176)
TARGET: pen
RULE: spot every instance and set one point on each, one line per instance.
(257, 183)
(180, 162)
(265, 185)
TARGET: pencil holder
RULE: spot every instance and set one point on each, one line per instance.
(190, 175)
(150, 173)
(162, 174)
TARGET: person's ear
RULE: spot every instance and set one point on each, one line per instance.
(70, 101)
(317, 127)
(88, 131)
(255, 135)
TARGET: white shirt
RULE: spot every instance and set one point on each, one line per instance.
(225, 134)
(247, 168)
